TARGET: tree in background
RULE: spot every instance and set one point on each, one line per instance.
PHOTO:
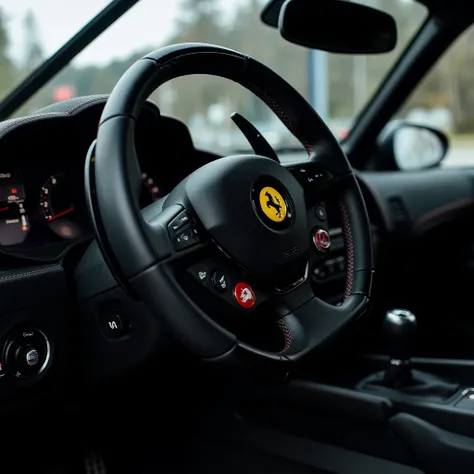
(352, 79)
(33, 54)
(450, 85)
(199, 21)
(242, 30)
(7, 69)
(249, 35)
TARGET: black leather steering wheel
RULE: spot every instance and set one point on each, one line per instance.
(263, 221)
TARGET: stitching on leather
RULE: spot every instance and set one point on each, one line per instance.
(30, 273)
(78, 107)
(349, 242)
(263, 95)
(32, 118)
(286, 334)
(273, 104)
(163, 63)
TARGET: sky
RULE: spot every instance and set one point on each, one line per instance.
(148, 23)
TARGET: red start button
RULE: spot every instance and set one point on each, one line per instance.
(322, 240)
(244, 295)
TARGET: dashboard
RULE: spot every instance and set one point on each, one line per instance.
(42, 201)
(43, 210)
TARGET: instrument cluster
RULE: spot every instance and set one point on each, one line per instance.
(43, 207)
(37, 209)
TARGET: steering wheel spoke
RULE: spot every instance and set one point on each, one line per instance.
(218, 279)
(314, 322)
(192, 253)
(174, 232)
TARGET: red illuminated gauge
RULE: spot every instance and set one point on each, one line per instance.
(14, 221)
(57, 207)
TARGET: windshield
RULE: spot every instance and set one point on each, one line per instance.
(337, 85)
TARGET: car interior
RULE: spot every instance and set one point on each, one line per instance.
(168, 309)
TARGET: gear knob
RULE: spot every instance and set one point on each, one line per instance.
(399, 329)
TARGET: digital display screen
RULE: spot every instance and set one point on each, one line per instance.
(14, 223)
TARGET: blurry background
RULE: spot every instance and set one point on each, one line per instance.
(337, 85)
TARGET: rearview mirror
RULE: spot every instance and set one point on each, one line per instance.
(410, 147)
(337, 26)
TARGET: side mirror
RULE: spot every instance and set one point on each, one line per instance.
(410, 147)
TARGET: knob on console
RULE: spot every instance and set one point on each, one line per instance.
(399, 331)
(399, 379)
(26, 353)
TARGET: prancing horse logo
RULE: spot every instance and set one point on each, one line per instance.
(272, 204)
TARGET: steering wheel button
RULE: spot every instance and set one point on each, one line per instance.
(183, 219)
(244, 295)
(219, 280)
(178, 222)
(186, 239)
(321, 273)
(322, 240)
(320, 212)
(178, 242)
(194, 234)
(200, 272)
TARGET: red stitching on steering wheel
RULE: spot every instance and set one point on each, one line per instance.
(286, 334)
(273, 104)
(348, 240)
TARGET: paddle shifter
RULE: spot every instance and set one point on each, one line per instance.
(399, 331)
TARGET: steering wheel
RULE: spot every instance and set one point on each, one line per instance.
(262, 225)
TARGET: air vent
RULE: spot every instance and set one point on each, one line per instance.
(398, 212)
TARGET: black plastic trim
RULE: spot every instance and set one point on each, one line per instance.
(316, 455)
(438, 451)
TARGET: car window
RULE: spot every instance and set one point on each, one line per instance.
(204, 103)
(445, 100)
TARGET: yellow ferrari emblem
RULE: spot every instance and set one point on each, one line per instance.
(272, 204)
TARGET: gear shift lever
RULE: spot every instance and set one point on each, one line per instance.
(399, 380)
(399, 330)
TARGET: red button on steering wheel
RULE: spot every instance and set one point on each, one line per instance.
(244, 295)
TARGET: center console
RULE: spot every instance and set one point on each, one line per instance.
(412, 411)
(399, 380)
